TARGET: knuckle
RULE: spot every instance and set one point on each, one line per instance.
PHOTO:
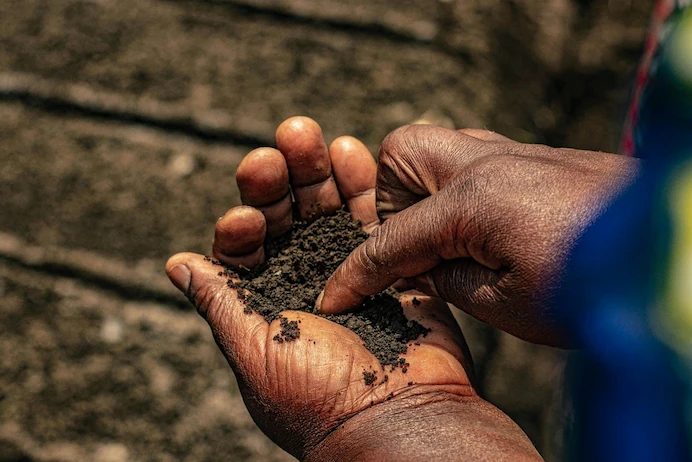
(372, 249)
(402, 154)
(393, 142)
(407, 142)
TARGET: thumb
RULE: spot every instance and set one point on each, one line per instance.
(204, 282)
(410, 243)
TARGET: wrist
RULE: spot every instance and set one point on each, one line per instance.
(430, 424)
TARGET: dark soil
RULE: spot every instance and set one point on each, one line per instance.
(297, 268)
(369, 377)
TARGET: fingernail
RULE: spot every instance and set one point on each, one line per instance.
(180, 277)
(318, 302)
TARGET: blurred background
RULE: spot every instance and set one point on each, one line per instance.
(121, 125)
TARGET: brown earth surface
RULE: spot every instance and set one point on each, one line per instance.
(121, 126)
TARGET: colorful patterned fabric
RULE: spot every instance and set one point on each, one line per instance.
(627, 295)
(667, 12)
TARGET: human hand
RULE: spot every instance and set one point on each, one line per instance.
(482, 221)
(309, 396)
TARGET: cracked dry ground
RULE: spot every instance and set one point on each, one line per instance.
(121, 125)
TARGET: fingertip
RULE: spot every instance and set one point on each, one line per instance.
(180, 276)
(330, 306)
(240, 231)
(355, 171)
(263, 181)
(295, 130)
(184, 268)
(337, 298)
(302, 144)
(262, 177)
(181, 258)
(354, 167)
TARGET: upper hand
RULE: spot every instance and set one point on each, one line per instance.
(482, 221)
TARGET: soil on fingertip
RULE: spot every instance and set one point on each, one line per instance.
(297, 267)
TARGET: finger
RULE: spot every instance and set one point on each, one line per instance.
(262, 179)
(408, 244)
(355, 171)
(239, 237)
(301, 142)
(478, 290)
(484, 135)
(241, 336)
(464, 283)
(417, 161)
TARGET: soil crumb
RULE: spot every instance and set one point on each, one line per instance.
(297, 268)
(369, 377)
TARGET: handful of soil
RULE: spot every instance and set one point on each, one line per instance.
(297, 267)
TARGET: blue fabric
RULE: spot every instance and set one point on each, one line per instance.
(631, 389)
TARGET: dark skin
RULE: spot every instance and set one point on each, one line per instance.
(311, 399)
(481, 221)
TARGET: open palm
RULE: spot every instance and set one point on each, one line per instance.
(299, 392)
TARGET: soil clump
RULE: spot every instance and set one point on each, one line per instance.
(297, 267)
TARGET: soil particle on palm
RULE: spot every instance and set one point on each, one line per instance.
(289, 331)
(369, 377)
(297, 268)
